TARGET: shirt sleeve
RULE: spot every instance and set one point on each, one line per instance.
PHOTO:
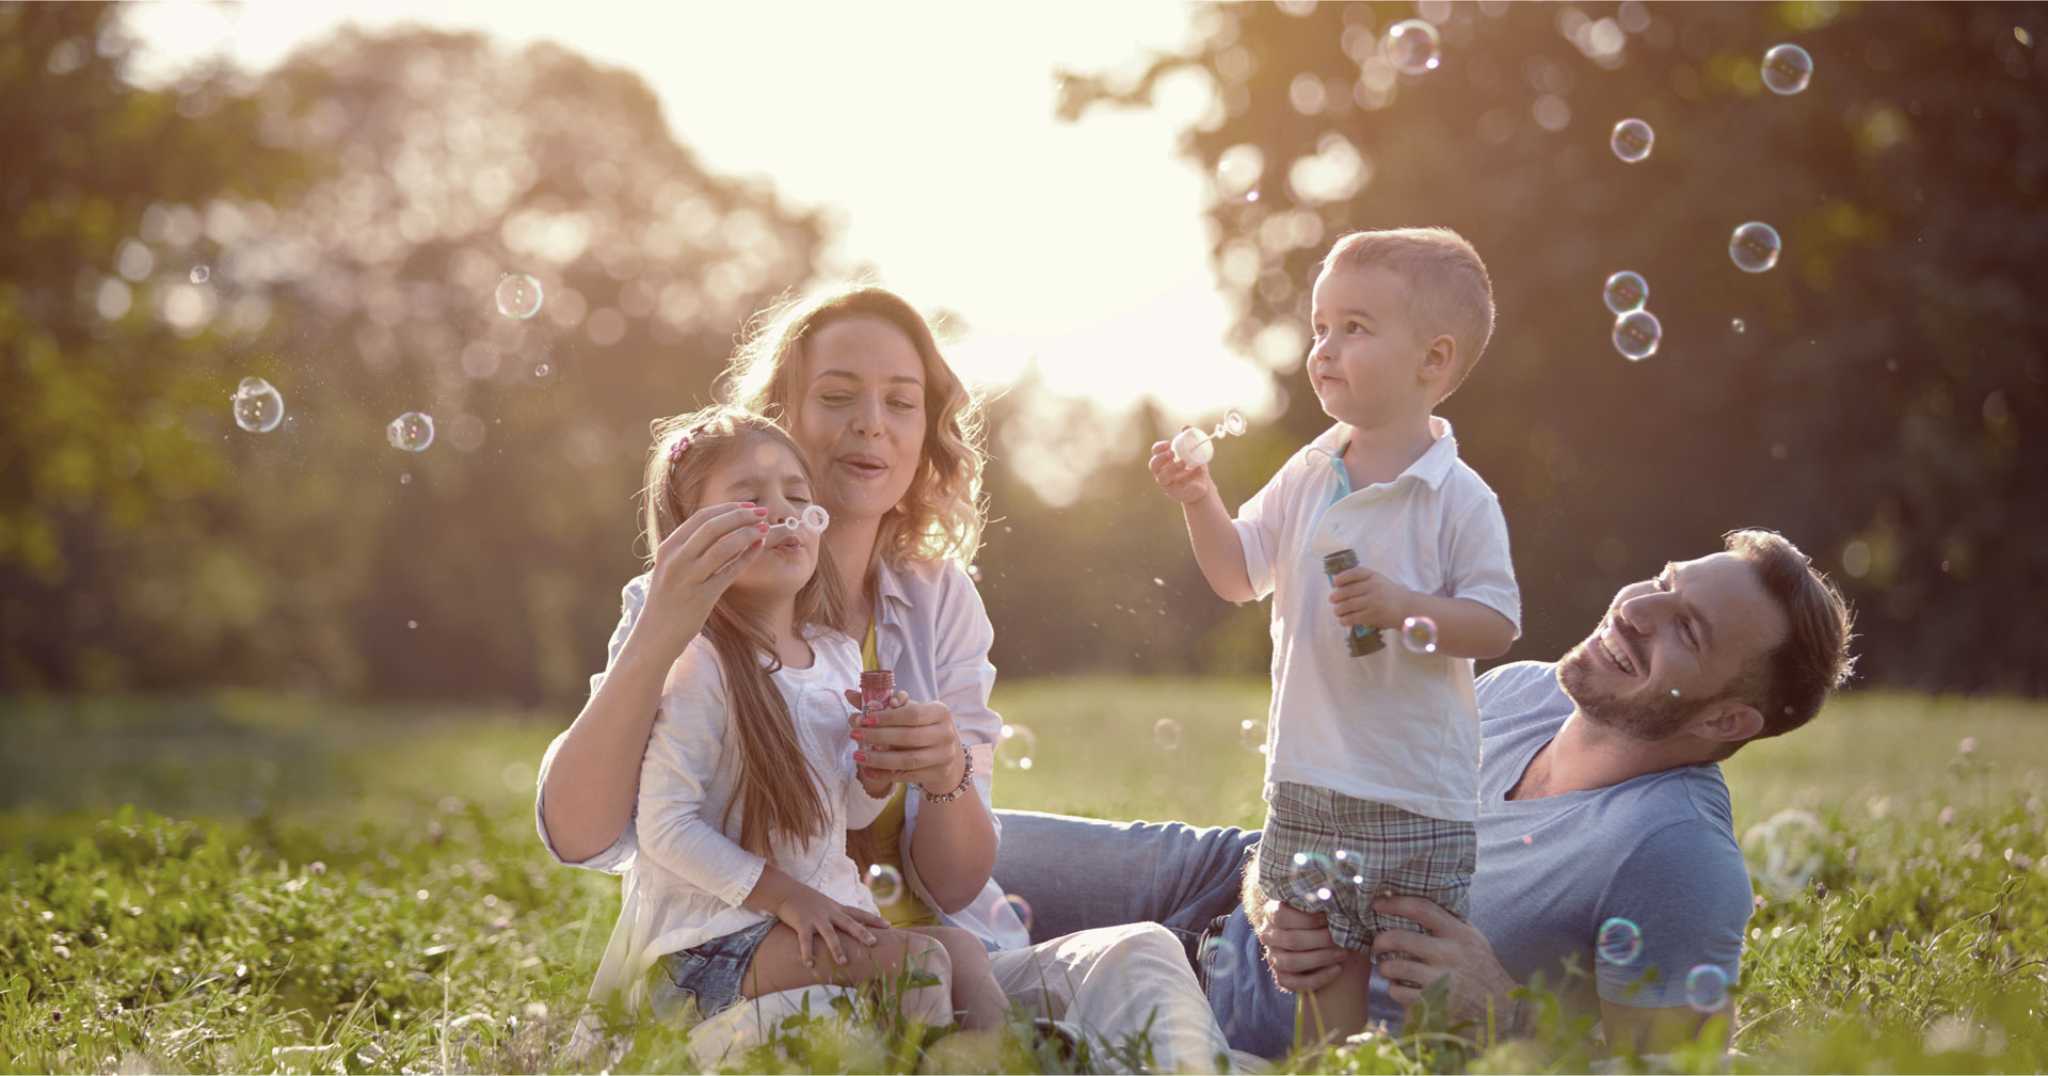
(682, 755)
(966, 677)
(618, 858)
(1480, 568)
(1686, 891)
(1258, 524)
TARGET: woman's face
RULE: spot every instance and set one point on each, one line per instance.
(860, 415)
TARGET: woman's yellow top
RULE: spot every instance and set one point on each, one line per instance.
(887, 833)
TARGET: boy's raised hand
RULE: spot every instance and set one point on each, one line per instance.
(1362, 596)
(1186, 483)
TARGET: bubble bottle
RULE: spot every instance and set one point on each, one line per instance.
(1362, 640)
(1195, 448)
(877, 686)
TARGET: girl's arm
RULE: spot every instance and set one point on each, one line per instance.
(587, 781)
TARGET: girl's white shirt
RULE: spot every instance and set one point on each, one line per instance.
(933, 631)
(685, 886)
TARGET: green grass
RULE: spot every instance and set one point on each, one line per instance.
(338, 888)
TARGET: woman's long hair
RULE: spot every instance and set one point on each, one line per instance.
(942, 514)
(779, 796)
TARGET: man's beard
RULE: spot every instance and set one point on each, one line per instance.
(1657, 718)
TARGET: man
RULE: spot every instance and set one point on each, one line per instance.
(1608, 865)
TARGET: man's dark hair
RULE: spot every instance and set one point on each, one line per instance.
(1788, 683)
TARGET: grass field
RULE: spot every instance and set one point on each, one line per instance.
(343, 889)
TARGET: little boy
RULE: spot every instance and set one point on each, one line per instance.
(1373, 754)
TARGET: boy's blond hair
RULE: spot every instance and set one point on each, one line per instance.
(1448, 289)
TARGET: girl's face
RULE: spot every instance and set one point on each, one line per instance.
(860, 415)
(763, 470)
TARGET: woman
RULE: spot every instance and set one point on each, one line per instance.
(893, 438)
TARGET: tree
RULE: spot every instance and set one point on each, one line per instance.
(1879, 397)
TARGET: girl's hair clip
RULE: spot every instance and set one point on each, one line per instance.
(676, 450)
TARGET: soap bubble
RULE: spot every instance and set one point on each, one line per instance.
(1706, 988)
(1755, 247)
(1251, 734)
(258, 406)
(1021, 907)
(1015, 747)
(1632, 140)
(1738, 326)
(542, 370)
(1166, 733)
(885, 884)
(1311, 880)
(1787, 69)
(1412, 46)
(1786, 850)
(1637, 334)
(1620, 942)
(519, 296)
(1349, 866)
(1626, 292)
(1418, 634)
(200, 274)
(411, 431)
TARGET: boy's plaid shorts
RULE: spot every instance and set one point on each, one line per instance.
(1323, 851)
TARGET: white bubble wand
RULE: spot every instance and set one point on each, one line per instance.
(813, 518)
(1195, 448)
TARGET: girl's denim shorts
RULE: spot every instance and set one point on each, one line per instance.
(708, 975)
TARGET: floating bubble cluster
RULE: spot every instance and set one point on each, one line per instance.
(258, 406)
(1632, 139)
(885, 884)
(519, 296)
(1787, 69)
(1755, 247)
(1626, 292)
(1015, 747)
(1620, 942)
(411, 431)
(1637, 334)
(1195, 448)
(1412, 47)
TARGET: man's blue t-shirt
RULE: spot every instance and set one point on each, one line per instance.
(1657, 850)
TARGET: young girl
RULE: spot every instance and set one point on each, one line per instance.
(743, 887)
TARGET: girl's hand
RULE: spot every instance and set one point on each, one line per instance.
(1363, 596)
(697, 561)
(810, 912)
(907, 742)
(1183, 482)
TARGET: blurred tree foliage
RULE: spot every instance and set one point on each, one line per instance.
(353, 212)
(1881, 396)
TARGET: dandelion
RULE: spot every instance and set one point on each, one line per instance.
(316, 868)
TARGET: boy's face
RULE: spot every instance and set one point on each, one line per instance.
(764, 471)
(1367, 364)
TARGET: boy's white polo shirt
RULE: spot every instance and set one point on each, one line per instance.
(1393, 727)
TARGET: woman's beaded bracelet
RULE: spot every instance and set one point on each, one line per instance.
(966, 779)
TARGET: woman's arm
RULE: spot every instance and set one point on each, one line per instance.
(953, 847)
(588, 783)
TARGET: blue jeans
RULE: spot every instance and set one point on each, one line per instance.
(1079, 873)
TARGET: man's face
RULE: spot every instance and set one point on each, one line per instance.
(1670, 645)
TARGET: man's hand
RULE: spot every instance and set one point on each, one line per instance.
(1365, 597)
(1183, 482)
(1453, 949)
(1299, 949)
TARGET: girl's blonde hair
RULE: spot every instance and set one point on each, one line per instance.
(942, 514)
(778, 795)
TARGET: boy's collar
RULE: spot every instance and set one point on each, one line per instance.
(1432, 467)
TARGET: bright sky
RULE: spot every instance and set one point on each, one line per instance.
(929, 129)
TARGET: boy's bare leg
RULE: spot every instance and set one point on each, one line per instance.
(975, 991)
(1338, 1010)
